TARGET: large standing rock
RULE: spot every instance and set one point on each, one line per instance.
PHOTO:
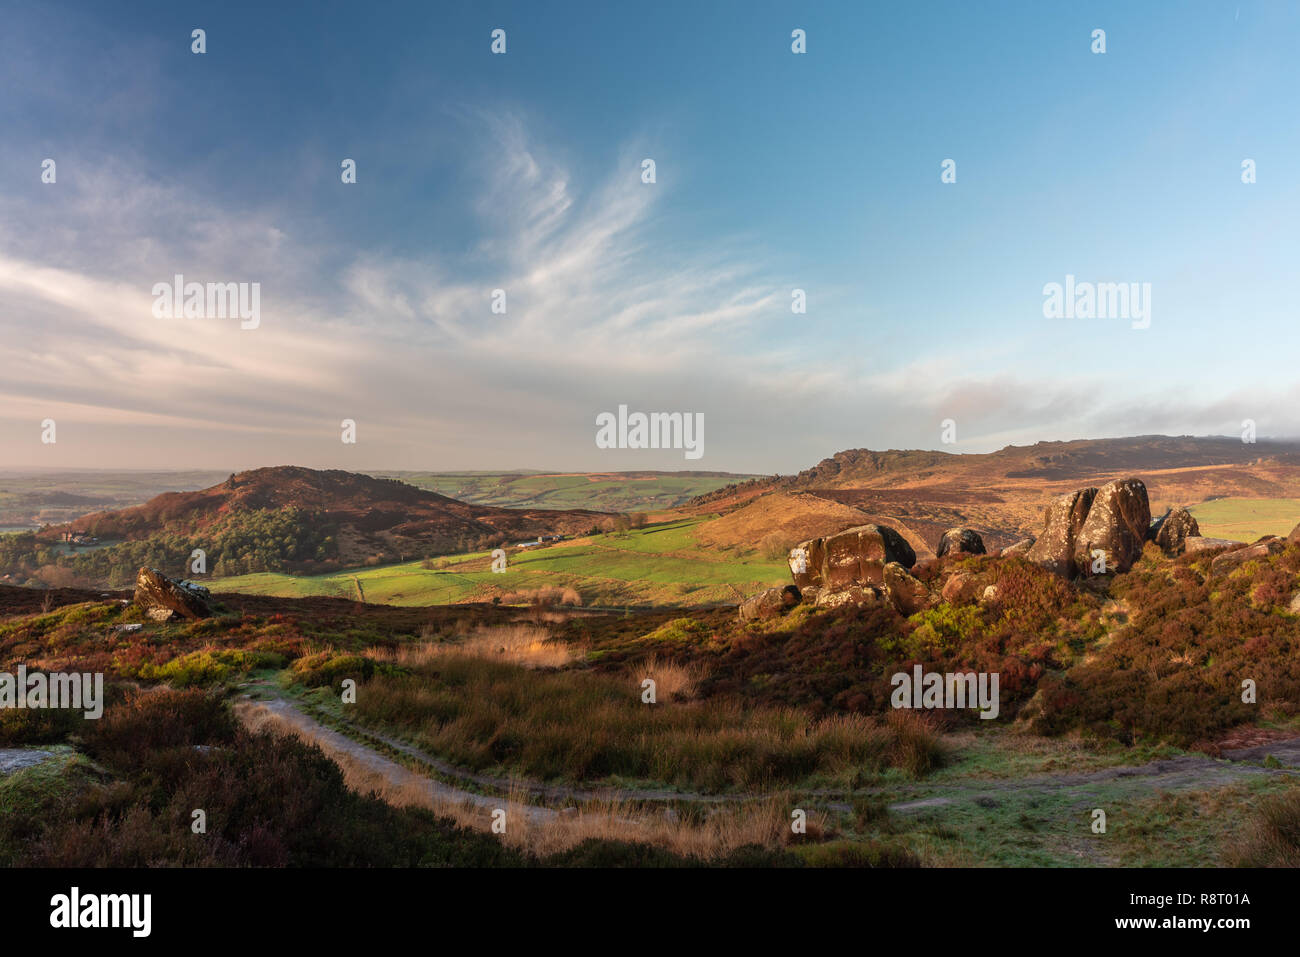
(857, 556)
(1117, 524)
(1171, 530)
(164, 599)
(1295, 535)
(1062, 521)
(960, 541)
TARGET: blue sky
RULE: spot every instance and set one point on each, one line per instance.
(775, 171)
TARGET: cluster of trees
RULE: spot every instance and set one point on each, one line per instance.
(619, 524)
(288, 539)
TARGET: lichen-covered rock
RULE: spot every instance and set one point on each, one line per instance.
(1171, 530)
(960, 541)
(857, 596)
(1117, 525)
(855, 556)
(1062, 521)
(164, 599)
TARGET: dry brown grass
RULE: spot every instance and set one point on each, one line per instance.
(722, 829)
(673, 682)
(528, 646)
(546, 597)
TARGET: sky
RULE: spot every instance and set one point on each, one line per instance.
(522, 171)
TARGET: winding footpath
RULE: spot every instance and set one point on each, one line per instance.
(450, 783)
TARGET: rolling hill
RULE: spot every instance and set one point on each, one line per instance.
(1002, 493)
(345, 518)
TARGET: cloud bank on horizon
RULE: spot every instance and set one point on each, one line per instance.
(523, 172)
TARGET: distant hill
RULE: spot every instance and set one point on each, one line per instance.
(604, 491)
(347, 518)
(1002, 493)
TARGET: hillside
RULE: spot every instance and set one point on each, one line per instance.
(284, 519)
(1003, 493)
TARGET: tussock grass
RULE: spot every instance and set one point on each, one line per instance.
(1272, 837)
(490, 709)
(673, 682)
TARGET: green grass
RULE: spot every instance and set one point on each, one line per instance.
(1031, 826)
(657, 565)
(1246, 519)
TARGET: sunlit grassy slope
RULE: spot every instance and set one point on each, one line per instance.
(658, 565)
(1246, 519)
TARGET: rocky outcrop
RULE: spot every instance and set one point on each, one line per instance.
(960, 541)
(854, 556)
(860, 566)
(1117, 525)
(1233, 559)
(1195, 543)
(165, 599)
(1172, 529)
(1062, 521)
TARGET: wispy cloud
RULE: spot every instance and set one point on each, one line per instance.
(602, 310)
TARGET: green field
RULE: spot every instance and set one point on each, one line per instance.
(657, 565)
(603, 491)
(1246, 519)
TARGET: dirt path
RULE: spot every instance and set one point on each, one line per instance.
(1185, 772)
(396, 775)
